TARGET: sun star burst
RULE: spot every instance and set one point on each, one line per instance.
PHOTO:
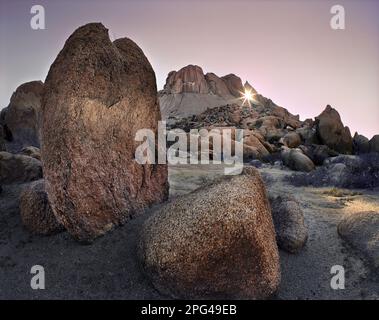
(247, 96)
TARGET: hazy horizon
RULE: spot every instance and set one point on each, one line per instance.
(285, 49)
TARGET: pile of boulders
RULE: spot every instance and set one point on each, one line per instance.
(302, 145)
(224, 116)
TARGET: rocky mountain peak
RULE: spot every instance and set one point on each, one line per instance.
(189, 91)
(248, 87)
(189, 79)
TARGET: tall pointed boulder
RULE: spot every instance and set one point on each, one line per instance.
(98, 95)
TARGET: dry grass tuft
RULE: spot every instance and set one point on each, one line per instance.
(340, 193)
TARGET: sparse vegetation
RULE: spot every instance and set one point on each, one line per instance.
(360, 172)
(340, 193)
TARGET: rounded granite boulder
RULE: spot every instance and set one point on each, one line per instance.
(217, 242)
(291, 232)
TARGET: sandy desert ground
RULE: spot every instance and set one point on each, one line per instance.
(108, 268)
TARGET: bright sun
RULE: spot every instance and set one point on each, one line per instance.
(247, 96)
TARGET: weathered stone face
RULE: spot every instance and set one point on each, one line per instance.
(216, 242)
(189, 92)
(217, 85)
(189, 79)
(234, 84)
(98, 95)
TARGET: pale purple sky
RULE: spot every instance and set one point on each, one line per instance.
(285, 49)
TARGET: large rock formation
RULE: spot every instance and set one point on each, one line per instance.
(218, 86)
(17, 168)
(217, 242)
(189, 92)
(332, 132)
(187, 104)
(21, 119)
(35, 210)
(98, 94)
(189, 79)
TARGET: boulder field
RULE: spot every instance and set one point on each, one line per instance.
(220, 241)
